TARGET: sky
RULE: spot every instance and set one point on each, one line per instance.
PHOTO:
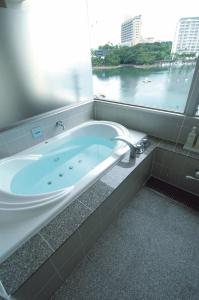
(159, 18)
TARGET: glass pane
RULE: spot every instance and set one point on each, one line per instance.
(143, 59)
(42, 65)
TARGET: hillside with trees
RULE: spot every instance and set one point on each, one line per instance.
(140, 54)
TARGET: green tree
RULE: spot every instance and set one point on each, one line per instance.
(139, 54)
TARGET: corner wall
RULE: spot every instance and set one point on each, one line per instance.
(165, 125)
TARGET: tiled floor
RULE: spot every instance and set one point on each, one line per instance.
(150, 252)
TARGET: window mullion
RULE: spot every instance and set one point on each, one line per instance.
(193, 97)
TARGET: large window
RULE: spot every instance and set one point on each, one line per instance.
(147, 58)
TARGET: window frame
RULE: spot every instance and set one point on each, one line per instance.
(193, 95)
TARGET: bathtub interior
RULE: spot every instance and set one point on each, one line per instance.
(63, 169)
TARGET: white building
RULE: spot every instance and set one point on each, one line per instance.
(187, 36)
(131, 31)
(148, 40)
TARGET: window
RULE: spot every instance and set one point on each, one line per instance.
(153, 68)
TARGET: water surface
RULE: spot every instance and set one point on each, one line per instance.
(163, 88)
(64, 168)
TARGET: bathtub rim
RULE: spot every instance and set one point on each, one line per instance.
(62, 193)
(46, 198)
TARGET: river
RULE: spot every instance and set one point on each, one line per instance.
(162, 88)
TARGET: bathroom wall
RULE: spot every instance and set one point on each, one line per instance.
(169, 126)
(20, 137)
(173, 168)
(44, 58)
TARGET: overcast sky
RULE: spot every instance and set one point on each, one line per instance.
(159, 18)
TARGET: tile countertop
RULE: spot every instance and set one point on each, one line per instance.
(177, 148)
(16, 269)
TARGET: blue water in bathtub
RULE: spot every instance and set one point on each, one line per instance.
(63, 166)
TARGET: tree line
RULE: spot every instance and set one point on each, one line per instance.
(140, 54)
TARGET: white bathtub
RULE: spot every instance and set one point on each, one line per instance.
(39, 182)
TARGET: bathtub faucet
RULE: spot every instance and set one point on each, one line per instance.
(128, 142)
(60, 124)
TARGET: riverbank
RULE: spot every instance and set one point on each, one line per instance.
(126, 65)
(152, 66)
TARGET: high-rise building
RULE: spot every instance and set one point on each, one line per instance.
(131, 31)
(187, 36)
(148, 40)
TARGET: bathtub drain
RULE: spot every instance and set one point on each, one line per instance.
(56, 159)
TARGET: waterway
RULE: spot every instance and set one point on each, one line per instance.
(162, 88)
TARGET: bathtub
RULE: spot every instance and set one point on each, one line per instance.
(39, 182)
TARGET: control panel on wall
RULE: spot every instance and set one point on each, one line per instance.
(36, 132)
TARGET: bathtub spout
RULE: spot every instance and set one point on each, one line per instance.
(60, 124)
(128, 142)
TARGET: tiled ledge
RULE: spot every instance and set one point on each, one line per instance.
(177, 148)
(171, 146)
(30, 256)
